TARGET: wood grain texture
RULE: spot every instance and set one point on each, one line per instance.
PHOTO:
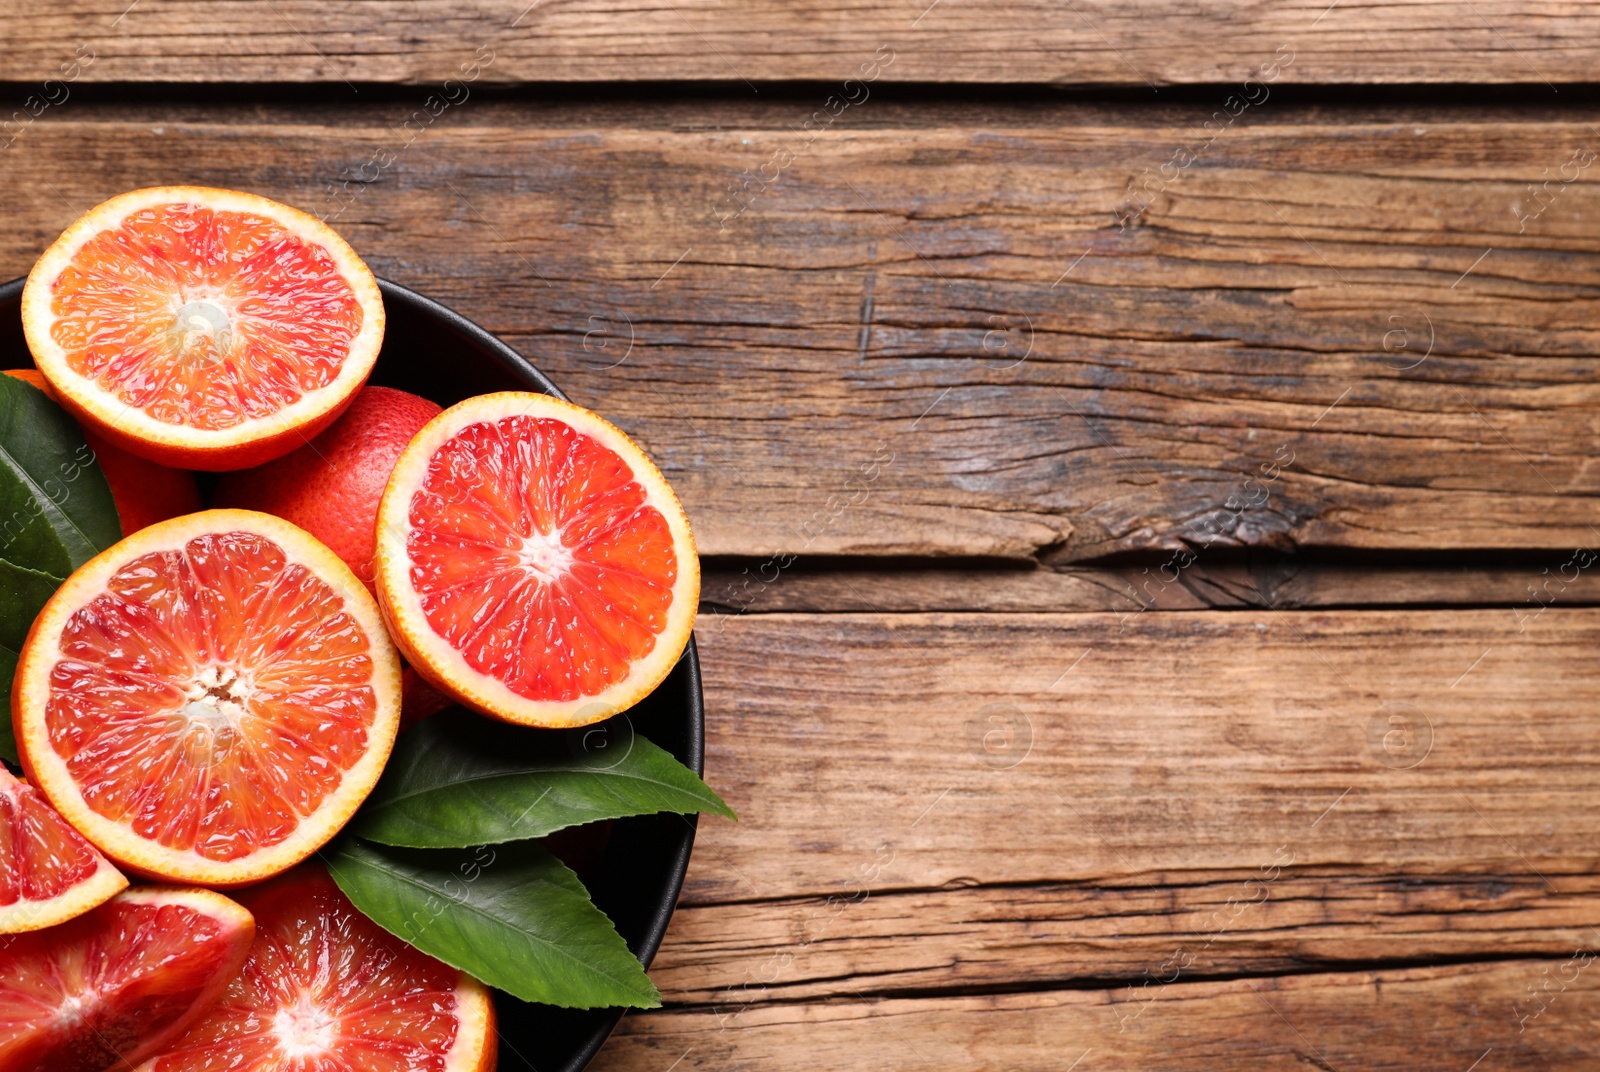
(1417, 1020)
(836, 370)
(928, 751)
(986, 333)
(987, 938)
(1096, 42)
(941, 807)
(1071, 805)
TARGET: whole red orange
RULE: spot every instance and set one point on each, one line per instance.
(331, 486)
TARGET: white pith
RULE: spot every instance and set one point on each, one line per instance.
(207, 725)
(545, 555)
(304, 1030)
(74, 1006)
(208, 317)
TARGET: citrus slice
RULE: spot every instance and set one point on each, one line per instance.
(209, 700)
(326, 990)
(532, 562)
(115, 985)
(48, 873)
(200, 328)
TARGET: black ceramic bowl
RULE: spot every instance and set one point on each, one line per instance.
(434, 352)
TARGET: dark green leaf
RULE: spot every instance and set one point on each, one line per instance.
(457, 779)
(511, 916)
(22, 593)
(56, 510)
(56, 513)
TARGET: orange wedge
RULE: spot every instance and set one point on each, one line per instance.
(116, 984)
(48, 873)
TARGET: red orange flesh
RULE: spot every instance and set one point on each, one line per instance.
(326, 990)
(202, 328)
(533, 563)
(114, 985)
(209, 700)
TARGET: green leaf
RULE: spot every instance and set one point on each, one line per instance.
(22, 593)
(511, 916)
(56, 510)
(56, 513)
(458, 779)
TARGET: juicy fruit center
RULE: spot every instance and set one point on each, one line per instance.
(200, 331)
(536, 554)
(204, 318)
(208, 724)
(303, 1030)
(212, 697)
(75, 1008)
(545, 556)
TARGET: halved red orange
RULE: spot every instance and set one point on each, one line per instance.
(326, 990)
(209, 700)
(202, 328)
(48, 873)
(533, 563)
(109, 988)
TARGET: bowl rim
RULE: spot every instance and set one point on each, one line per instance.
(514, 364)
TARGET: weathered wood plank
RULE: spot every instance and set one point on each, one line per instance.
(917, 751)
(1418, 1020)
(1365, 804)
(835, 371)
(967, 939)
(1101, 42)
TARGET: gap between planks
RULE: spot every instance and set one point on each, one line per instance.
(1520, 585)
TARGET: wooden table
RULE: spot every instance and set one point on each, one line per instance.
(1150, 611)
